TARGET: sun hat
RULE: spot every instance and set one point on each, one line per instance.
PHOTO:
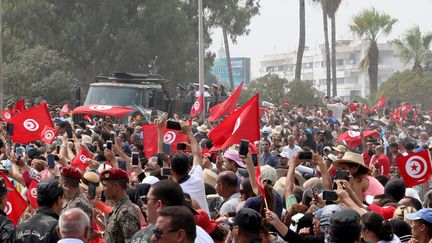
(234, 156)
(209, 177)
(351, 158)
(203, 128)
(268, 173)
(91, 177)
(340, 148)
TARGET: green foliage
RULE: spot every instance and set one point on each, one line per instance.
(414, 47)
(302, 92)
(39, 73)
(270, 87)
(408, 86)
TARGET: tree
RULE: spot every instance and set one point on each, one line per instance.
(324, 7)
(302, 39)
(270, 87)
(371, 24)
(101, 36)
(39, 73)
(303, 92)
(233, 16)
(332, 7)
(414, 47)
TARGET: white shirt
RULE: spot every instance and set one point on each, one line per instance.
(202, 236)
(70, 240)
(194, 186)
(291, 152)
(337, 109)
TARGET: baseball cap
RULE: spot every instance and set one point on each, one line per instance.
(424, 213)
(248, 219)
(203, 220)
(234, 155)
(49, 189)
(385, 211)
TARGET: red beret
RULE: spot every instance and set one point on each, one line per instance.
(71, 173)
(114, 174)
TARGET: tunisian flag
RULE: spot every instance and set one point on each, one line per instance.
(18, 107)
(171, 137)
(103, 110)
(353, 138)
(259, 181)
(79, 160)
(228, 106)
(381, 104)
(197, 106)
(7, 115)
(242, 124)
(32, 194)
(415, 168)
(48, 134)
(15, 205)
(29, 124)
(66, 110)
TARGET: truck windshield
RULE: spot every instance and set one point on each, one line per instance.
(121, 96)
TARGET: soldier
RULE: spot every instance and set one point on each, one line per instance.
(123, 221)
(42, 226)
(222, 90)
(180, 91)
(6, 226)
(74, 197)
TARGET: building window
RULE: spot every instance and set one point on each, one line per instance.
(340, 62)
(340, 80)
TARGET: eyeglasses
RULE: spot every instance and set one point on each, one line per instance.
(145, 199)
(158, 232)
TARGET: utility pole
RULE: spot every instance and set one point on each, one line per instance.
(200, 55)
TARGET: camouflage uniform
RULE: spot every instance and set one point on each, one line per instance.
(79, 200)
(6, 227)
(122, 223)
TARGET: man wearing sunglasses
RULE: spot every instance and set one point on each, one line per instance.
(175, 224)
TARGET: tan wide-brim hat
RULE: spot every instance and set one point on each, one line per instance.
(351, 158)
(203, 129)
(340, 148)
(209, 177)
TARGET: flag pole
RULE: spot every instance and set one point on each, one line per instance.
(201, 55)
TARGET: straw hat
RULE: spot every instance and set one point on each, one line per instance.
(209, 177)
(340, 148)
(203, 128)
(351, 158)
(90, 177)
(384, 120)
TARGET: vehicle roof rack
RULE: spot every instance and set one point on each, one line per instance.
(134, 78)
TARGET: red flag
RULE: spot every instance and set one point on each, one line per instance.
(103, 110)
(28, 125)
(259, 181)
(242, 124)
(416, 168)
(353, 138)
(87, 117)
(48, 134)
(395, 115)
(15, 205)
(150, 141)
(197, 106)
(32, 194)
(79, 160)
(381, 104)
(18, 107)
(66, 110)
(286, 102)
(405, 108)
(228, 106)
(7, 115)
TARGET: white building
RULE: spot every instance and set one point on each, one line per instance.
(351, 80)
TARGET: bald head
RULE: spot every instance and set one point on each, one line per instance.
(228, 179)
(74, 223)
(379, 149)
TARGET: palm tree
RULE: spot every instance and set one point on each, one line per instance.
(332, 7)
(302, 39)
(324, 6)
(371, 24)
(414, 47)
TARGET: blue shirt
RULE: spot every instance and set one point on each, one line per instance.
(269, 159)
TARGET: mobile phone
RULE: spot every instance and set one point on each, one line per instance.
(135, 159)
(244, 148)
(68, 129)
(91, 190)
(19, 151)
(122, 165)
(305, 155)
(112, 135)
(342, 175)
(159, 159)
(167, 149)
(58, 149)
(10, 129)
(329, 196)
(51, 161)
(174, 125)
(165, 171)
(181, 146)
(109, 144)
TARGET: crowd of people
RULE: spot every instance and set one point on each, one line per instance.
(316, 188)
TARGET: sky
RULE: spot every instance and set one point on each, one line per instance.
(276, 29)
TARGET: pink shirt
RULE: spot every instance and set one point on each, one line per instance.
(375, 188)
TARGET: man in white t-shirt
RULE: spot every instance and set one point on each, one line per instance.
(291, 149)
(337, 109)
